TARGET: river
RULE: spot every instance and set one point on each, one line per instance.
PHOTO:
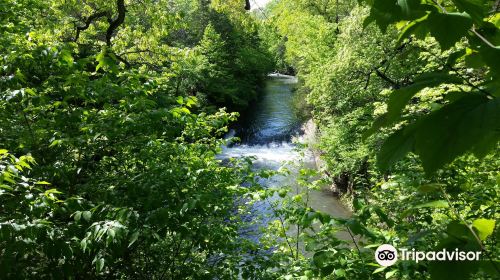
(266, 132)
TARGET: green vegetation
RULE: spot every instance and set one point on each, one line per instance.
(112, 114)
(406, 98)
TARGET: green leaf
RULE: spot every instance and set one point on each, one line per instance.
(133, 238)
(380, 269)
(453, 57)
(322, 258)
(484, 227)
(396, 147)
(400, 97)
(355, 226)
(459, 231)
(191, 100)
(99, 265)
(490, 57)
(475, 8)
(77, 216)
(66, 57)
(5, 187)
(448, 28)
(111, 233)
(473, 58)
(340, 272)
(52, 191)
(383, 216)
(490, 267)
(57, 142)
(180, 100)
(458, 237)
(432, 187)
(83, 244)
(327, 270)
(357, 203)
(390, 273)
(456, 270)
(86, 215)
(106, 61)
(495, 19)
(433, 204)
(30, 91)
(416, 27)
(42, 183)
(384, 12)
(470, 124)
(309, 217)
(411, 9)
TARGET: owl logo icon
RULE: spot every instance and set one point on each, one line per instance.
(386, 255)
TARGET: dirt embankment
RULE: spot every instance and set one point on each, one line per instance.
(340, 184)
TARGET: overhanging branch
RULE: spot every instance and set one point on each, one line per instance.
(88, 21)
(394, 84)
(114, 24)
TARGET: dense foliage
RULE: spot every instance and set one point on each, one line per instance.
(112, 116)
(408, 118)
(109, 130)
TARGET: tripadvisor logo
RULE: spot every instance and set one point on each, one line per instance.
(387, 255)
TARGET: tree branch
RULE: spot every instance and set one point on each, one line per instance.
(88, 21)
(114, 24)
(394, 84)
(390, 55)
(483, 38)
(136, 52)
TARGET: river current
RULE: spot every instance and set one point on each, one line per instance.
(266, 132)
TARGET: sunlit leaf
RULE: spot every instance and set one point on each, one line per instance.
(484, 227)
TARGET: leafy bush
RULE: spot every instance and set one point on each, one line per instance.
(121, 116)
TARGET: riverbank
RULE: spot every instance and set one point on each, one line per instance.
(309, 137)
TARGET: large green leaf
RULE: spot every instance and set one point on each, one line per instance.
(458, 236)
(475, 8)
(384, 12)
(484, 227)
(448, 28)
(416, 27)
(396, 147)
(411, 9)
(400, 97)
(470, 124)
(491, 56)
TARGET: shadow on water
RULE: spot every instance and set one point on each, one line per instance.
(271, 119)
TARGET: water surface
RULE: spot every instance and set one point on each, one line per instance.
(266, 131)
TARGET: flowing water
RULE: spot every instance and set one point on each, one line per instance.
(266, 133)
